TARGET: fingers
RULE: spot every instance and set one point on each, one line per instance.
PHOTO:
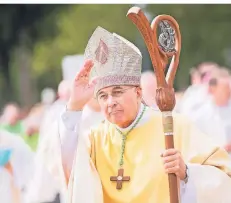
(174, 169)
(173, 162)
(85, 70)
(178, 170)
(171, 158)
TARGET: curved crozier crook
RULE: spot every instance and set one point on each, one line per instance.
(136, 15)
(165, 55)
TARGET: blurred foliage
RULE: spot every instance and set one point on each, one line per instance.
(46, 33)
(75, 26)
(18, 32)
(205, 31)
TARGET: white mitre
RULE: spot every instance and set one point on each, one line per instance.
(116, 60)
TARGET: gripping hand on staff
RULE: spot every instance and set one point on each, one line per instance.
(82, 89)
(174, 163)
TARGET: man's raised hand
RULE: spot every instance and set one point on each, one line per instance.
(82, 89)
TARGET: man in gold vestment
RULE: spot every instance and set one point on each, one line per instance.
(123, 160)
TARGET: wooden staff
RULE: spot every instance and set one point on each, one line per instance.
(169, 46)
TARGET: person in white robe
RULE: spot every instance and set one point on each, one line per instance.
(48, 181)
(43, 186)
(214, 116)
(7, 188)
(54, 151)
(54, 109)
(21, 166)
(197, 93)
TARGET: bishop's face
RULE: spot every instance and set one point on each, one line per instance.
(120, 104)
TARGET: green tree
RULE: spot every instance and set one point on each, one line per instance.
(18, 25)
(35, 38)
(74, 27)
(205, 31)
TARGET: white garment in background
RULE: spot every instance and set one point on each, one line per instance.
(214, 121)
(194, 97)
(6, 194)
(50, 151)
(22, 161)
(43, 186)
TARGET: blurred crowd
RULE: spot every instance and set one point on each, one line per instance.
(27, 175)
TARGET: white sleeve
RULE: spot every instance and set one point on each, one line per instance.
(188, 190)
(69, 126)
(206, 184)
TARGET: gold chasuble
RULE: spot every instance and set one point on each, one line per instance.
(97, 159)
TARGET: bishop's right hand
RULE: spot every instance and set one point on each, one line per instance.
(82, 89)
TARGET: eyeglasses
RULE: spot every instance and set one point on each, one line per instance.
(117, 93)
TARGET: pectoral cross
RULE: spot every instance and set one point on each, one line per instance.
(120, 178)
